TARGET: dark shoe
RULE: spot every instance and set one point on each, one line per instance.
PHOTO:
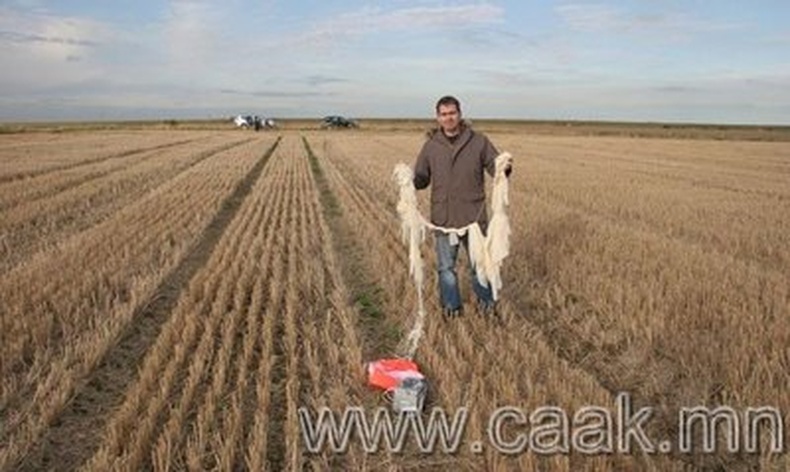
(452, 313)
(487, 310)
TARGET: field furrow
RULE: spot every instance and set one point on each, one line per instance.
(28, 190)
(265, 288)
(38, 224)
(29, 161)
(212, 303)
(70, 322)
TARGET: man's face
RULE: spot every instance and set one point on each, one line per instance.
(448, 117)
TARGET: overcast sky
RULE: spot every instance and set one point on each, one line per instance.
(723, 61)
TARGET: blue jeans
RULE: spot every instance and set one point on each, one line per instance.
(446, 257)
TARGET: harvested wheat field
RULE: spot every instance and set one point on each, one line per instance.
(207, 300)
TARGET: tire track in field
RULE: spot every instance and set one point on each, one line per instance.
(276, 454)
(104, 389)
(366, 293)
(74, 165)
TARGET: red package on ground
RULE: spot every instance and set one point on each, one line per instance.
(386, 374)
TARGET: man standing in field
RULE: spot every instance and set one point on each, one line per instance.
(453, 160)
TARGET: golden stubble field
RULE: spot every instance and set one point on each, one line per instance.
(172, 298)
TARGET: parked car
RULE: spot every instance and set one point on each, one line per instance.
(255, 122)
(336, 121)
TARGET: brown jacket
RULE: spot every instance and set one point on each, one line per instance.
(455, 173)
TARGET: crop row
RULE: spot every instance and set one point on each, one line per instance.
(25, 157)
(262, 329)
(57, 324)
(71, 201)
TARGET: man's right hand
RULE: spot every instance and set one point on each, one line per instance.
(421, 181)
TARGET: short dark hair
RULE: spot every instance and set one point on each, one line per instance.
(448, 100)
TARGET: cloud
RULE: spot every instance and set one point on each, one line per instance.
(594, 18)
(375, 20)
(17, 37)
(591, 17)
(495, 41)
(40, 50)
(513, 79)
(48, 36)
(193, 30)
(319, 80)
(428, 17)
(273, 93)
(781, 39)
(675, 89)
(518, 81)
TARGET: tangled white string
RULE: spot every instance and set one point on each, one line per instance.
(485, 252)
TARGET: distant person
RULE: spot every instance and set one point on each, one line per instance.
(452, 161)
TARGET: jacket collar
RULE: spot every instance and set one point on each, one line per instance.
(463, 136)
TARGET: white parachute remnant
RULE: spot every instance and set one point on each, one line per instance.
(485, 252)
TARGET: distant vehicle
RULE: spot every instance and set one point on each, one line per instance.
(255, 122)
(336, 121)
